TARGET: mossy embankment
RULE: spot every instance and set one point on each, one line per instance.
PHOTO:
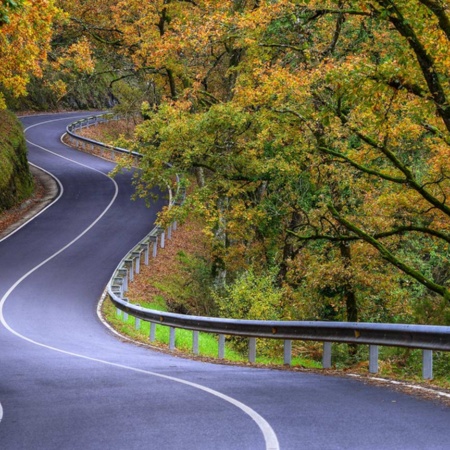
(16, 182)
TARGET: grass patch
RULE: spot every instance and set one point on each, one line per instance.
(394, 363)
(208, 343)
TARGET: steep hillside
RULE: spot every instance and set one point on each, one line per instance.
(16, 182)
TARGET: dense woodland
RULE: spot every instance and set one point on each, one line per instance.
(314, 136)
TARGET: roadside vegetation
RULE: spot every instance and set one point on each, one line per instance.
(16, 182)
(172, 283)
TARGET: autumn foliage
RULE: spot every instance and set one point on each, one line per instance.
(25, 33)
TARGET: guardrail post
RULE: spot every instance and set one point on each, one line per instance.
(131, 271)
(172, 339)
(152, 331)
(195, 345)
(116, 291)
(287, 352)
(221, 346)
(326, 356)
(130, 268)
(163, 243)
(137, 261)
(145, 247)
(373, 358)
(125, 280)
(117, 286)
(252, 350)
(169, 232)
(137, 323)
(154, 240)
(174, 226)
(427, 364)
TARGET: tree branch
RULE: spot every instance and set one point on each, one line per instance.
(288, 46)
(337, 33)
(362, 168)
(410, 179)
(90, 29)
(391, 258)
(394, 232)
(440, 12)
(425, 60)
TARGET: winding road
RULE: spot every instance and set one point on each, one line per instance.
(66, 382)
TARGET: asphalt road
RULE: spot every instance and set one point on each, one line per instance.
(66, 382)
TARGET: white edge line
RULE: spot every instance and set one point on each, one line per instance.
(106, 324)
(401, 383)
(269, 435)
(267, 431)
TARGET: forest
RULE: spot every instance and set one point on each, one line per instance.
(313, 136)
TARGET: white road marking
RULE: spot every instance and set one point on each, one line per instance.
(270, 437)
(403, 384)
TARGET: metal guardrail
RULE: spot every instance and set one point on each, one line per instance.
(425, 337)
(92, 146)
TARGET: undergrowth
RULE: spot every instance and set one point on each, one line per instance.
(208, 343)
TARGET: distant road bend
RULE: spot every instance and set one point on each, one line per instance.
(67, 383)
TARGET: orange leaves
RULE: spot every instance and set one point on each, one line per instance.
(24, 43)
(78, 57)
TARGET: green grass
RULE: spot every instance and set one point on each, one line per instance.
(394, 363)
(208, 343)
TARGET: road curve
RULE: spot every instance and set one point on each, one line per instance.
(67, 383)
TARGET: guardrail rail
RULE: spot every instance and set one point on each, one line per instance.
(92, 146)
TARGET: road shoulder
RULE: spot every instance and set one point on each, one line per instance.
(46, 190)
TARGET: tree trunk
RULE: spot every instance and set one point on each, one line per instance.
(349, 292)
(219, 271)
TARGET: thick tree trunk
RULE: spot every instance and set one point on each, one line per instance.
(290, 249)
(219, 270)
(349, 292)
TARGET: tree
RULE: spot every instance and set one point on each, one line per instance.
(379, 114)
(25, 33)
